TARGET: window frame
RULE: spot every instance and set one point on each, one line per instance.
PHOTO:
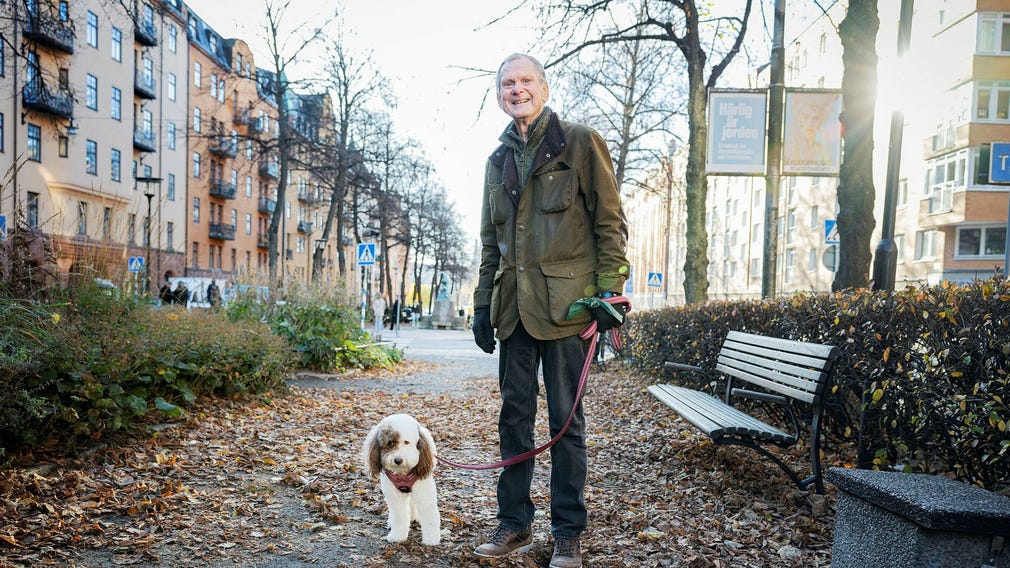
(91, 157)
(982, 240)
(92, 29)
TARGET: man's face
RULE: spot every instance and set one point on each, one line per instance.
(521, 92)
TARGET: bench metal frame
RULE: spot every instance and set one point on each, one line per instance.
(783, 370)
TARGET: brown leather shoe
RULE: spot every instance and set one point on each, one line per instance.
(566, 553)
(502, 541)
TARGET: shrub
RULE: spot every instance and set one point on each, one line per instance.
(923, 372)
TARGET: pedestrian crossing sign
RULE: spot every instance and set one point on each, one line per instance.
(831, 232)
(366, 254)
(655, 280)
(136, 264)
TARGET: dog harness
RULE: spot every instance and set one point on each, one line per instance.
(402, 481)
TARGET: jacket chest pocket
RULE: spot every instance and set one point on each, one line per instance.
(557, 190)
(499, 203)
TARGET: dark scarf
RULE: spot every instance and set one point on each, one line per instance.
(546, 129)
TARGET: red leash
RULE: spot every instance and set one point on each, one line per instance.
(588, 332)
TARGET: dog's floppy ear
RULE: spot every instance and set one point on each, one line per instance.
(371, 453)
(426, 451)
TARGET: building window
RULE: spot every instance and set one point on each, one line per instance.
(171, 86)
(902, 197)
(107, 223)
(213, 85)
(173, 38)
(220, 90)
(117, 104)
(170, 235)
(981, 241)
(944, 175)
(993, 32)
(196, 119)
(925, 245)
(992, 100)
(131, 228)
(147, 122)
(82, 218)
(63, 146)
(814, 217)
(34, 143)
(171, 188)
(91, 97)
(899, 248)
(91, 157)
(196, 255)
(116, 164)
(171, 136)
(117, 44)
(248, 186)
(32, 210)
(196, 164)
(812, 260)
(249, 149)
(790, 265)
(196, 209)
(791, 226)
(197, 74)
(210, 256)
(92, 29)
(248, 224)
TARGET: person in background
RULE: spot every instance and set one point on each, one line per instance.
(166, 294)
(213, 295)
(181, 294)
(395, 315)
(378, 312)
(552, 232)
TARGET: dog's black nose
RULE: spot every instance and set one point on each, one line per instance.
(398, 461)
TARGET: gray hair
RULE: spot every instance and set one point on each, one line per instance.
(536, 64)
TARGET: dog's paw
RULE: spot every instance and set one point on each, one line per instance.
(431, 541)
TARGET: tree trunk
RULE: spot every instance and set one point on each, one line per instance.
(856, 194)
(696, 239)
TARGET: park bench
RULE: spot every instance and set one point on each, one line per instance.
(784, 372)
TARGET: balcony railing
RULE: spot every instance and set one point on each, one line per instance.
(37, 95)
(146, 33)
(224, 146)
(242, 117)
(223, 189)
(307, 197)
(143, 140)
(222, 232)
(49, 30)
(305, 226)
(267, 205)
(145, 85)
(270, 169)
(262, 241)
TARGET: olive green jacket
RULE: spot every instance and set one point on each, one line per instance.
(561, 237)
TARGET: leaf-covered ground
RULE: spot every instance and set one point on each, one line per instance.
(277, 482)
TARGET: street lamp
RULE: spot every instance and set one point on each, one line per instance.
(148, 193)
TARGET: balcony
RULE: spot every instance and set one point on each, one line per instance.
(307, 197)
(222, 232)
(49, 30)
(37, 95)
(267, 205)
(270, 170)
(146, 34)
(143, 140)
(262, 241)
(223, 189)
(255, 125)
(242, 117)
(145, 85)
(305, 227)
(224, 146)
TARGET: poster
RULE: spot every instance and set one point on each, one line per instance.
(736, 132)
(812, 140)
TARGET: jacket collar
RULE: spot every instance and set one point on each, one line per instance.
(554, 142)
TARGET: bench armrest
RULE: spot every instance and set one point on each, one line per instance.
(682, 367)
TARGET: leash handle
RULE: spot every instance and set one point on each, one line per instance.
(587, 333)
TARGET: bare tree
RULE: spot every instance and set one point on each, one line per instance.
(856, 194)
(577, 24)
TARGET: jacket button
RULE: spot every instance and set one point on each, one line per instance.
(521, 227)
(497, 153)
(513, 192)
(522, 269)
(571, 274)
(550, 178)
(548, 155)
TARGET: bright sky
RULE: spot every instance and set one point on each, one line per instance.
(422, 46)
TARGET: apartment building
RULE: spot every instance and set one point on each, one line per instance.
(135, 130)
(953, 88)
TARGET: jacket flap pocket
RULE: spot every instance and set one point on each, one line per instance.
(568, 268)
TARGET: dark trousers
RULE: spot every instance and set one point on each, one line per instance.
(562, 361)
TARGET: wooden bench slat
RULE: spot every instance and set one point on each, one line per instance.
(714, 417)
(817, 350)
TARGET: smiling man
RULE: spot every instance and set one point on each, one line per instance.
(552, 232)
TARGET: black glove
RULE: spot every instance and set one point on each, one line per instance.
(605, 321)
(483, 332)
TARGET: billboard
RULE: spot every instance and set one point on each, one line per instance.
(812, 139)
(736, 132)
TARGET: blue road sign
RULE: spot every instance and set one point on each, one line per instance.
(366, 254)
(655, 280)
(136, 264)
(831, 232)
(999, 163)
(3, 227)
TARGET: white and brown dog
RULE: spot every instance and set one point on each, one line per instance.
(401, 454)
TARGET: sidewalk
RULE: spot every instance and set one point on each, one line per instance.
(455, 348)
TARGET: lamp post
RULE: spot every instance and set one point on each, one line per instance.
(148, 193)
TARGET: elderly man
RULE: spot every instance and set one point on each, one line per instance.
(552, 231)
